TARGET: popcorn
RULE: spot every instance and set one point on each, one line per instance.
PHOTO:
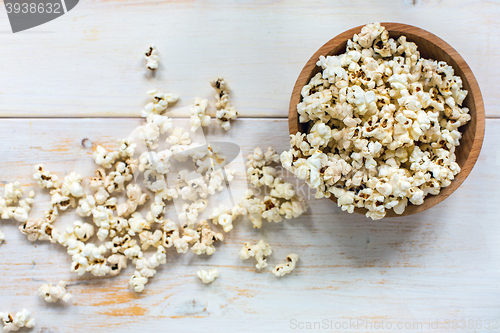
(149, 238)
(126, 148)
(2, 237)
(159, 104)
(283, 269)
(207, 276)
(155, 215)
(104, 158)
(137, 224)
(146, 267)
(44, 178)
(207, 238)
(21, 212)
(152, 58)
(135, 198)
(225, 112)
(221, 216)
(117, 262)
(151, 130)
(260, 251)
(138, 282)
(19, 320)
(72, 185)
(52, 294)
(12, 192)
(123, 232)
(380, 117)
(283, 200)
(179, 137)
(198, 117)
(82, 230)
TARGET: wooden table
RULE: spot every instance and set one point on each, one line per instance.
(81, 76)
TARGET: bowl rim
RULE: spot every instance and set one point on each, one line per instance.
(475, 93)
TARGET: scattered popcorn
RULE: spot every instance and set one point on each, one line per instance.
(19, 320)
(207, 238)
(283, 269)
(12, 192)
(282, 201)
(260, 251)
(221, 216)
(44, 178)
(117, 262)
(225, 112)
(138, 282)
(124, 233)
(103, 157)
(179, 137)
(198, 117)
(52, 294)
(384, 126)
(72, 185)
(207, 276)
(159, 104)
(152, 58)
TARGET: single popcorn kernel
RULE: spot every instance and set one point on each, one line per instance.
(283, 269)
(207, 276)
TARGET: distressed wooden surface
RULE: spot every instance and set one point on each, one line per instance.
(88, 62)
(440, 264)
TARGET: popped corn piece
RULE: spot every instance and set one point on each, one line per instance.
(179, 137)
(198, 117)
(2, 237)
(137, 224)
(135, 198)
(223, 217)
(44, 178)
(12, 192)
(104, 158)
(82, 230)
(86, 205)
(207, 276)
(146, 267)
(149, 238)
(207, 239)
(260, 251)
(225, 112)
(19, 320)
(191, 211)
(116, 263)
(126, 148)
(283, 269)
(72, 185)
(138, 282)
(52, 294)
(152, 58)
(159, 104)
(20, 213)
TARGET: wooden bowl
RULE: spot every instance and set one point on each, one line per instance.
(430, 47)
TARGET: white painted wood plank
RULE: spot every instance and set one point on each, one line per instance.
(437, 265)
(88, 62)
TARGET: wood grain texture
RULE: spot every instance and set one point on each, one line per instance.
(441, 264)
(88, 63)
(430, 47)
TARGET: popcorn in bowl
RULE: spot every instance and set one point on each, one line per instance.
(383, 125)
